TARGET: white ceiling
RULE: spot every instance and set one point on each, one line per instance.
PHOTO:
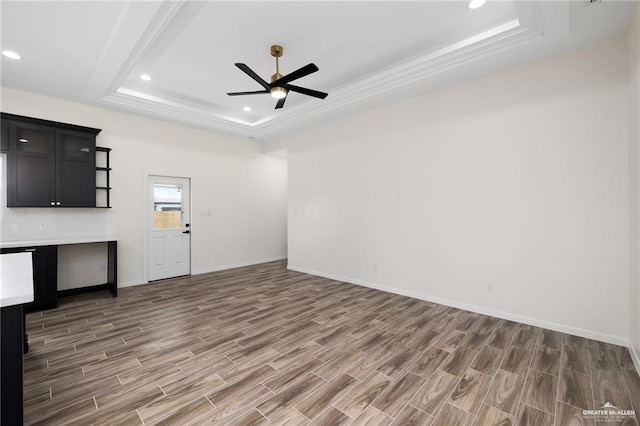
(369, 53)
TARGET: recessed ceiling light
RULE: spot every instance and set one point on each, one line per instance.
(474, 4)
(11, 54)
(145, 77)
(247, 109)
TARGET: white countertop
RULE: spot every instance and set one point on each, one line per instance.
(56, 242)
(16, 279)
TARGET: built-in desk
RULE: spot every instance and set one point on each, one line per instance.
(16, 289)
(45, 268)
(29, 282)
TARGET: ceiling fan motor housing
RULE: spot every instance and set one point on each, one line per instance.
(277, 50)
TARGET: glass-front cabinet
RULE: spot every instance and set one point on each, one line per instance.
(49, 164)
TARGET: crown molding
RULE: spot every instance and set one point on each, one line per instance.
(429, 71)
(436, 68)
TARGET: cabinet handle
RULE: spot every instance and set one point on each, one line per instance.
(58, 203)
(31, 249)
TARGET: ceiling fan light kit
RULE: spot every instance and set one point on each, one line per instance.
(279, 92)
(279, 87)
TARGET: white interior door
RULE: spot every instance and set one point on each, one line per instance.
(170, 233)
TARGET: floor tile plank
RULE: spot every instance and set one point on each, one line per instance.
(392, 399)
(435, 392)
(312, 406)
(411, 416)
(540, 391)
(491, 416)
(575, 389)
(470, 391)
(450, 415)
(363, 394)
(505, 392)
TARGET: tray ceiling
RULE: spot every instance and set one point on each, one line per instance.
(369, 53)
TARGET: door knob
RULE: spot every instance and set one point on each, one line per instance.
(186, 232)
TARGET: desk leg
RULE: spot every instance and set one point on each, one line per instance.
(112, 255)
(11, 347)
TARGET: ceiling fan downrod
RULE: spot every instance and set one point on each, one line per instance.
(277, 92)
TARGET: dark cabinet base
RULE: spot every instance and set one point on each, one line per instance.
(11, 341)
(45, 276)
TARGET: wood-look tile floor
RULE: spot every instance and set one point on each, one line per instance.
(264, 345)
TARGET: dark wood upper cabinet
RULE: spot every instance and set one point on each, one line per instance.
(76, 166)
(31, 166)
(50, 164)
(4, 136)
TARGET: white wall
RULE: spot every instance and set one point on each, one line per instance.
(245, 190)
(634, 187)
(519, 179)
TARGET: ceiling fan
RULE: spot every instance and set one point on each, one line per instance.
(279, 86)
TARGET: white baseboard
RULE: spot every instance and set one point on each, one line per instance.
(589, 334)
(239, 265)
(635, 357)
(214, 269)
(131, 283)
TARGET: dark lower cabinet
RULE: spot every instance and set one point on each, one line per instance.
(11, 341)
(45, 276)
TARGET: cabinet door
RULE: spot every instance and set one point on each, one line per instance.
(4, 136)
(31, 166)
(76, 166)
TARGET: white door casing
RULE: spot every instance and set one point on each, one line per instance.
(169, 227)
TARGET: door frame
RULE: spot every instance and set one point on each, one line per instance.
(146, 220)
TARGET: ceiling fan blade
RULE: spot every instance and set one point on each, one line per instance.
(253, 75)
(299, 73)
(258, 92)
(280, 103)
(305, 91)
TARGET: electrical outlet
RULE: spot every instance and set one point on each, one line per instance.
(15, 227)
(490, 287)
(43, 226)
(375, 267)
(103, 266)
